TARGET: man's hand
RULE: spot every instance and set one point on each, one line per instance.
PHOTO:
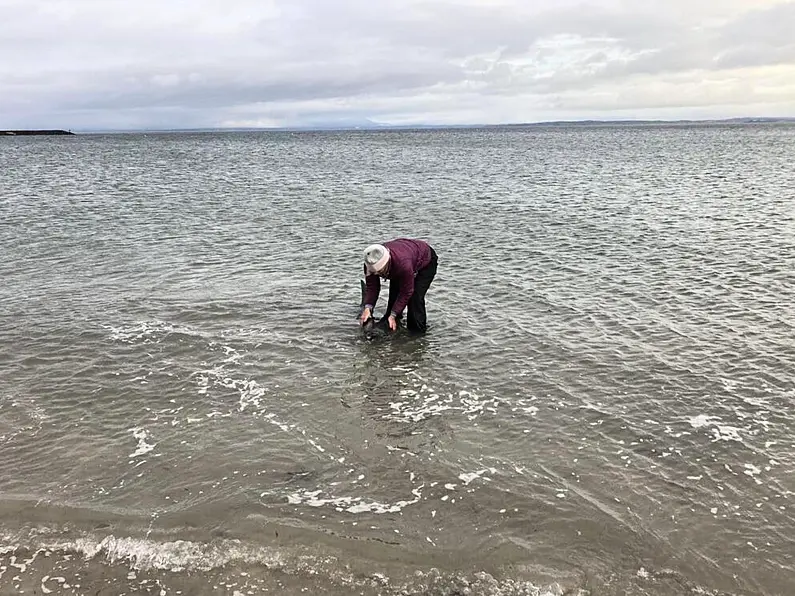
(366, 314)
(392, 323)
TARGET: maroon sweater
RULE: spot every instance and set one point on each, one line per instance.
(406, 258)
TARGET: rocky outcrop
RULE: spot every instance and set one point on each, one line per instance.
(15, 133)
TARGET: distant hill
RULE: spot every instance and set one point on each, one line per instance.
(766, 120)
(369, 125)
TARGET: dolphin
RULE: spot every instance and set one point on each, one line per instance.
(373, 328)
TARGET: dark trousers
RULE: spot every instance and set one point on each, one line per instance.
(417, 319)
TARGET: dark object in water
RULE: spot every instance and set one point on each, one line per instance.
(373, 328)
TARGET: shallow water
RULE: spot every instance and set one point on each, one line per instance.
(603, 403)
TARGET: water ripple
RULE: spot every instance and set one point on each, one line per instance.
(605, 391)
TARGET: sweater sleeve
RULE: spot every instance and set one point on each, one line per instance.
(372, 288)
(406, 290)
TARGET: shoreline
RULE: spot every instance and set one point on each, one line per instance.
(21, 133)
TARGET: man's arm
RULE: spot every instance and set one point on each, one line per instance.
(372, 288)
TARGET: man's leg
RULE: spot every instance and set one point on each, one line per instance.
(417, 318)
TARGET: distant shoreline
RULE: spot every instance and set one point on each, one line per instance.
(22, 133)
(376, 127)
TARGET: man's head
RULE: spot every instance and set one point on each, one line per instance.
(376, 258)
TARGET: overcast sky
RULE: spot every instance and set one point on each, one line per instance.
(123, 64)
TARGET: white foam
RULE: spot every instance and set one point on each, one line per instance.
(352, 504)
(703, 420)
(316, 446)
(422, 402)
(752, 471)
(727, 433)
(232, 355)
(44, 588)
(174, 556)
(719, 430)
(276, 422)
(469, 477)
(251, 392)
(143, 447)
(145, 332)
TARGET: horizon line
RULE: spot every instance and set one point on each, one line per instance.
(373, 126)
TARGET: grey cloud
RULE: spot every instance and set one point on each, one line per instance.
(755, 55)
(768, 32)
(163, 63)
(774, 26)
(460, 30)
(219, 89)
(691, 49)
